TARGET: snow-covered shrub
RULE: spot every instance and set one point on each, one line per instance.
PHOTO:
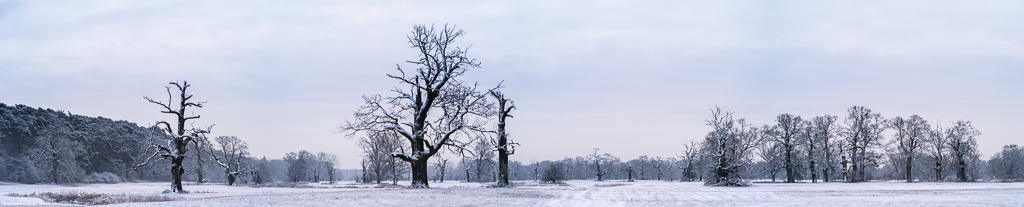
(103, 177)
(555, 173)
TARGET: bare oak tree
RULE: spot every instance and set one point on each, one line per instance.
(910, 133)
(691, 152)
(772, 154)
(863, 132)
(434, 109)
(937, 148)
(233, 153)
(825, 130)
(785, 133)
(730, 145)
(962, 145)
(330, 163)
(177, 146)
(599, 161)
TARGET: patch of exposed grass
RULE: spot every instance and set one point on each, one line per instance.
(609, 184)
(84, 198)
(282, 185)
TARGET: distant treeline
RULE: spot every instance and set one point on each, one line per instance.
(51, 146)
(46, 145)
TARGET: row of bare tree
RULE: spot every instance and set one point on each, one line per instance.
(805, 149)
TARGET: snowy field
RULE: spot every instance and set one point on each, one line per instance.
(574, 193)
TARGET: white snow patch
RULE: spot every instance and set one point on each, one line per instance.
(575, 193)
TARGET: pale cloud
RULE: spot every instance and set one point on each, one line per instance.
(629, 77)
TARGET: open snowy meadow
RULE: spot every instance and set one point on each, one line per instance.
(572, 193)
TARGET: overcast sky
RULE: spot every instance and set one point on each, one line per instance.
(629, 77)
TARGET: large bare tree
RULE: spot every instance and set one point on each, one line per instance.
(863, 131)
(910, 133)
(962, 144)
(825, 129)
(176, 147)
(730, 145)
(434, 109)
(785, 133)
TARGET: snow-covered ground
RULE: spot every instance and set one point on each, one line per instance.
(575, 193)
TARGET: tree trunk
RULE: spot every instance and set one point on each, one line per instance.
(502, 139)
(176, 172)
(419, 173)
(824, 174)
(814, 176)
(910, 160)
(502, 165)
(938, 170)
(860, 172)
(961, 173)
(790, 175)
(54, 163)
(199, 173)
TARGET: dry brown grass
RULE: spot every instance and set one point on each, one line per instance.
(85, 198)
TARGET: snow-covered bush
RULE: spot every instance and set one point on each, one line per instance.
(555, 173)
(103, 177)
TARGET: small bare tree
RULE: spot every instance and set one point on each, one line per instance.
(377, 148)
(483, 160)
(599, 161)
(658, 165)
(536, 169)
(176, 147)
(690, 155)
(442, 165)
(629, 172)
(233, 152)
(772, 154)
(937, 148)
(330, 163)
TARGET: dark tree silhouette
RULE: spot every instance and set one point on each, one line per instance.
(177, 147)
(504, 145)
(962, 145)
(435, 108)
